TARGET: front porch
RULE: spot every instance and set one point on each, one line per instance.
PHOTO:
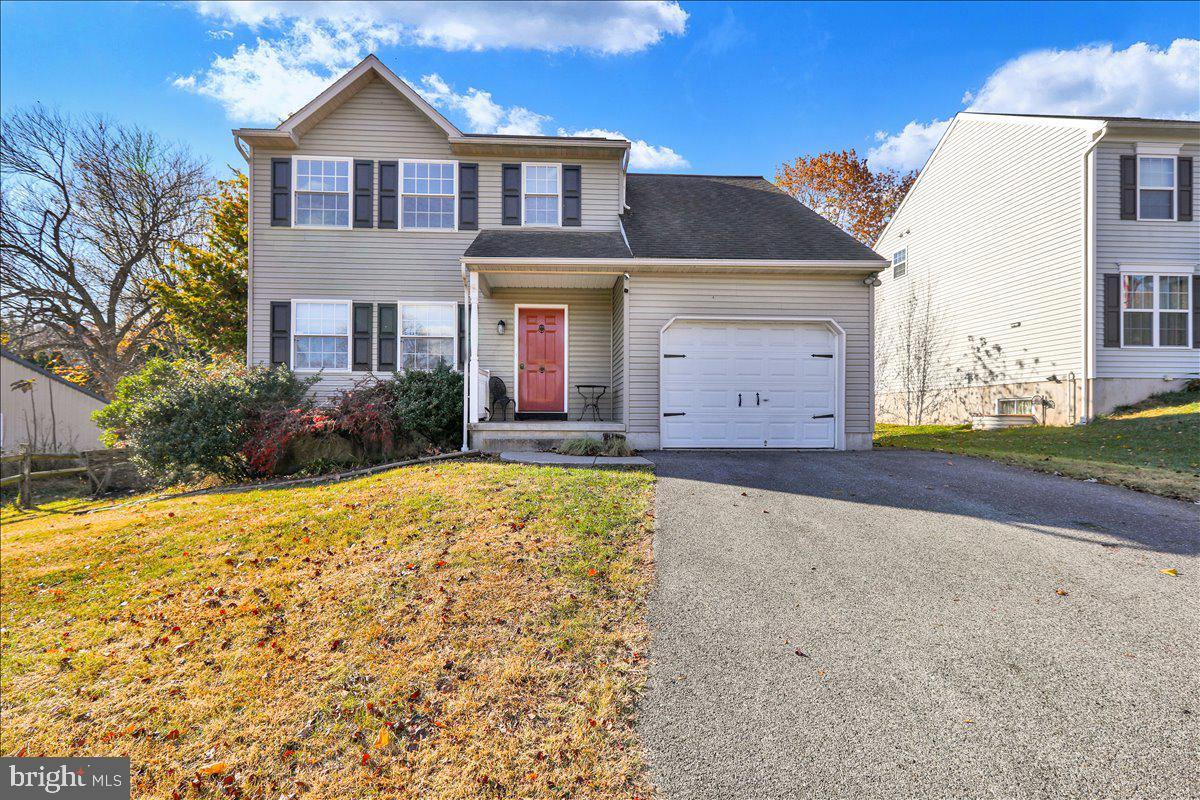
(563, 379)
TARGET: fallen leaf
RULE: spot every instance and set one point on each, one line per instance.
(802, 655)
(1174, 573)
(383, 738)
(1061, 592)
(215, 768)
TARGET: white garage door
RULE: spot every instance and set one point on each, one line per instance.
(739, 383)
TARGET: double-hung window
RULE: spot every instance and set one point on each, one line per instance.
(322, 192)
(900, 263)
(428, 335)
(428, 195)
(1156, 187)
(321, 335)
(1155, 310)
(541, 194)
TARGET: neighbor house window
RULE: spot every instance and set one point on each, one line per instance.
(427, 195)
(428, 332)
(900, 263)
(541, 194)
(1015, 405)
(323, 192)
(1156, 187)
(321, 335)
(1155, 310)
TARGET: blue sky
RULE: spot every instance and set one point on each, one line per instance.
(701, 87)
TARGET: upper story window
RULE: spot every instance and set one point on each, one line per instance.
(1156, 187)
(321, 335)
(428, 334)
(900, 263)
(322, 195)
(1155, 310)
(541, 193)
(428, 195)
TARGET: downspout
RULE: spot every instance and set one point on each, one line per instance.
(469, 367)
(247, 153)
(1088, 340)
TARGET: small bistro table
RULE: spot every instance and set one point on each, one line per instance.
(591, 394)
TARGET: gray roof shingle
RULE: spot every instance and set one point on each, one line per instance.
(728, 217)
(547, 244)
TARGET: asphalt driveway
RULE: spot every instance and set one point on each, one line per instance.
(908, 624)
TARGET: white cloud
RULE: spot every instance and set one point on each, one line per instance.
(642, 154)
(220, 34)
(602, 27)
(484, 115)
(1140, 81)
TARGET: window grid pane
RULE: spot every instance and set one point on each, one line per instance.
(322, 209)
(322, 176)
(322, 352)
(428, 212)
(426, 354)
(1156, 204)
(541, 180)
(1173, 292)
(1157, 173)
(428, 319)
(429, 179)
(541, 210)
(1138, 292)
(1139, 328)
(1172, 329)
(322, 319)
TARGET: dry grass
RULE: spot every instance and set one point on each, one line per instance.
(489, 617)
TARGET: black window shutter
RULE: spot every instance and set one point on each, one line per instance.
(462, 336)
(387, 337)
(1196, 311)
(281, 333)
(468, 197)
(572, 192)
(510, 187)
(1184, 169)
(1112, 310)
(364, 180)
(362, 337)
(281, 192)
(389, 173)
(1128, 187)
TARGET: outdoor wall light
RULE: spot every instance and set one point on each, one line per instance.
(872, 280)
(500, 327)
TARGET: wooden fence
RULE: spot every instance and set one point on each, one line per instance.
(98, 465)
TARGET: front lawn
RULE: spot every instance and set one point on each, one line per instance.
(1153, 446)
(465, 629)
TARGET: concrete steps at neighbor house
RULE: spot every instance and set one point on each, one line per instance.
(497, 437)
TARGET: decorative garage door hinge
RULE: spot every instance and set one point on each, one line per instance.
(822, 416)
(674, 355)
(822, 355)
(674, 413)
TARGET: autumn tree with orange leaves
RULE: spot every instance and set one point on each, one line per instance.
(843, 188)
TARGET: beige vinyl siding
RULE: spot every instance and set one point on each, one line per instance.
(589, 339)
(618, 350)
(654, 299)
(1141, 243)
(51, 416)
(374, 265)
(994, 231)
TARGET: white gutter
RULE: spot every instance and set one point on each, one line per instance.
(1088, 340)
(469, 366)
(872, 265)
(248, 154)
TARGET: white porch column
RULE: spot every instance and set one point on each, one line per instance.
(473, 310)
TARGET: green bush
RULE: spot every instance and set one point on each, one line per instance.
(427, 407)
(187, 420)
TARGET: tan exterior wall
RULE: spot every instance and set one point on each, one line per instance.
(28, 418)
(955, 405)
(655, 299)
(589, 339)
(1109, 393)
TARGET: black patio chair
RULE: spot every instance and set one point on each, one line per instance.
(498, 393)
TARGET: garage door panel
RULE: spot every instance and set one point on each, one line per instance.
(771, 365)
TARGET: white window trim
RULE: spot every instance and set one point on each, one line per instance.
(1174, 186)
(896, 253)
(1154, 310)
(400, 337)
(401, 194)
(349, 335)
(349, 193)
(558, 208)
(1034, 399)
(566, 356)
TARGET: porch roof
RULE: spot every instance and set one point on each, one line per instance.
(547, 244)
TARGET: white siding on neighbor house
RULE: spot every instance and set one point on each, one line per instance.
(371, 264)
(51, 417)
(589, 339)
(994, 231)
(654, 299)
(618, 350)
(1140, 243)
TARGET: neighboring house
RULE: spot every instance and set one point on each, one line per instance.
(43, 410)
(1058, 259)
(701, 311)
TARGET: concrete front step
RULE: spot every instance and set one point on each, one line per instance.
(497, 437)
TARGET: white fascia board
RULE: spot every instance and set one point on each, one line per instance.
(869, 265)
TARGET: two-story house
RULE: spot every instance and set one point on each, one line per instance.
(1044, 265)
(680, 310)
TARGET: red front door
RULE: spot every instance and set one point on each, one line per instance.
(541, 359)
